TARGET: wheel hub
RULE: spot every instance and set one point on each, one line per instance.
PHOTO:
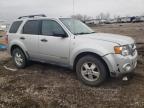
(18, 59)
(90, 71)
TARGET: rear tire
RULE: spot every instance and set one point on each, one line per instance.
(91, 70)
(19, 58)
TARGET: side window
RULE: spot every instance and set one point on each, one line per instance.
(52, 28)
(31, 27)
(15, 26)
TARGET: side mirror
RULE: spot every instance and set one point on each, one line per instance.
(63, 35)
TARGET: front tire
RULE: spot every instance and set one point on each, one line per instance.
(91, 70)
(19, 58)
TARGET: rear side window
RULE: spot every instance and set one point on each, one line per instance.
(15, 26)
(31, 27)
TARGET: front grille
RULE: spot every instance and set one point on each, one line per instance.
(132, 49)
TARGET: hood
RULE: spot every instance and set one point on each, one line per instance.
(118, 39)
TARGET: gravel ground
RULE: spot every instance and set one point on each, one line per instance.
(48, 86)
(4, 55)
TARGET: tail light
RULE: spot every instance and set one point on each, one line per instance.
(6, 38)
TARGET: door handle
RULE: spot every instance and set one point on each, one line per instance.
(44, 40)
(22, 38)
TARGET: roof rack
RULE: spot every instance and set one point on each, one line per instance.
(32, 16)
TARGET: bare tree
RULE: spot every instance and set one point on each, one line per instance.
(117, 18)
(85, 17)
(107, 16)
(103, 16)
(81, 17)
(78, 16)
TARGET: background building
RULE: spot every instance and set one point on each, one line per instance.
(4, 25)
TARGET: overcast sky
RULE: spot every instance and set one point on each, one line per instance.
(11, 9)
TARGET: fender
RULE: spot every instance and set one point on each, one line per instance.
(99, 51)
(20, 44)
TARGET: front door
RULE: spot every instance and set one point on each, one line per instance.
(53, 46)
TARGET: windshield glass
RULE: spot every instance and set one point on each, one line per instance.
(76, 27)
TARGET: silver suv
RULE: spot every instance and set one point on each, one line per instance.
(70, 43)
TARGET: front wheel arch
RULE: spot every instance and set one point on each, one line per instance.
(89, 53)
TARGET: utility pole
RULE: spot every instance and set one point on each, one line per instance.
(73, 7)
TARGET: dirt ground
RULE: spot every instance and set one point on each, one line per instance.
(48, 86)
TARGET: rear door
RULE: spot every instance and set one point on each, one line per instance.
(12, 34)
(52, 45)
(29, 36)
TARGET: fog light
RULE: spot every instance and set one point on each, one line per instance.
(127, 67)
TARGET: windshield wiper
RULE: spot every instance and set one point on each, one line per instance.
(83, 33)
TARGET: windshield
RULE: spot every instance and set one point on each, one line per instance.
(76, 27)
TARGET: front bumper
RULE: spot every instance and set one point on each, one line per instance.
(119, 65)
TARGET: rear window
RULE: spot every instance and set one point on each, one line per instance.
(31, 27)
(15, 26)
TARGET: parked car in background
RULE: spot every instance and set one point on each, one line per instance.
(70, 43)
(136, 19)
(142, 18)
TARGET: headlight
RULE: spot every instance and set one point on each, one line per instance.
(123, 50)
